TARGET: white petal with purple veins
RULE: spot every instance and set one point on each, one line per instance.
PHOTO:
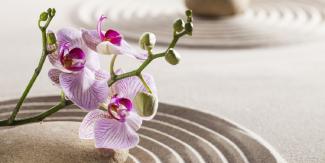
(87, 126)
(113, 134)
(91, 38)
(134, 120)
(54, 57)
(130, 86)
(70, 35)
(83, 89)
(101, 75)
(54, 75)
(92, 60)
(107, 47)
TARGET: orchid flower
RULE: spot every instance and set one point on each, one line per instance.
(77, 71)
(110, 42)
(116, 128)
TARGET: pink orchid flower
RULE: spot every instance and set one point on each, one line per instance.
(116, 128)
(110, 42)
(77, 71)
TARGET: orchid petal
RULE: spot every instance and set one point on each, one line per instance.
(92, 61)
(101, 75)
(110, 133)
(83, 89)
(86, 130)
(70, 35)
(54, 75)
(107, 47)
(91, 38)
(134, 120)
(54, 59)
(146, 105)
(104, 48)
(130, 86)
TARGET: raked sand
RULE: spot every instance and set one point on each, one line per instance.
(50, 142)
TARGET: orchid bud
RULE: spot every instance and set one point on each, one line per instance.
(49, 10)
(172, 57)
(189, 28)
(189, 16)
(52, 12)
(188, 13)
(51, 39)
(43, 16)
(147, 41)
(179, 25)
(146, 104)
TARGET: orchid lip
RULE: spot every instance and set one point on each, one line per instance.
(119, 107)
(74, 60)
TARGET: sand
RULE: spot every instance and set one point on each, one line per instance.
(50, 142)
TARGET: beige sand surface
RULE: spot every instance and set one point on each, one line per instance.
(50, 142)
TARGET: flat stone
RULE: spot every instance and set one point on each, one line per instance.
(216, 8)
(51, 142)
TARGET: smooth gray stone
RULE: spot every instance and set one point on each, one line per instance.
(217, 7)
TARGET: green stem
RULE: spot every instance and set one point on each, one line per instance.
(112, 72)
(145, 83)
(47, 23)
(36, 72)
(39, 117)
(150, 58)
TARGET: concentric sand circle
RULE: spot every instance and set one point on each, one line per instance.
(266, 23)
(175, 135)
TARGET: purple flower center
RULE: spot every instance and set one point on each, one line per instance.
(119, 107)
(73, 60)
(110, 35)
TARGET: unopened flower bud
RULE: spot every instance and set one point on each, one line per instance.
(147, 41)
(146, 104)
(49, 10)
(172, 57)
(189, 28)
(188, 13)
(43, 16)
(179, 25)
(189, 16)
(51, 39)
(53, 12)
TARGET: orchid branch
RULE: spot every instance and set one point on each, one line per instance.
(145, 83)
(150, 58)
(180, 29)
(47, 17)
(112, 72)
(40, 117)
